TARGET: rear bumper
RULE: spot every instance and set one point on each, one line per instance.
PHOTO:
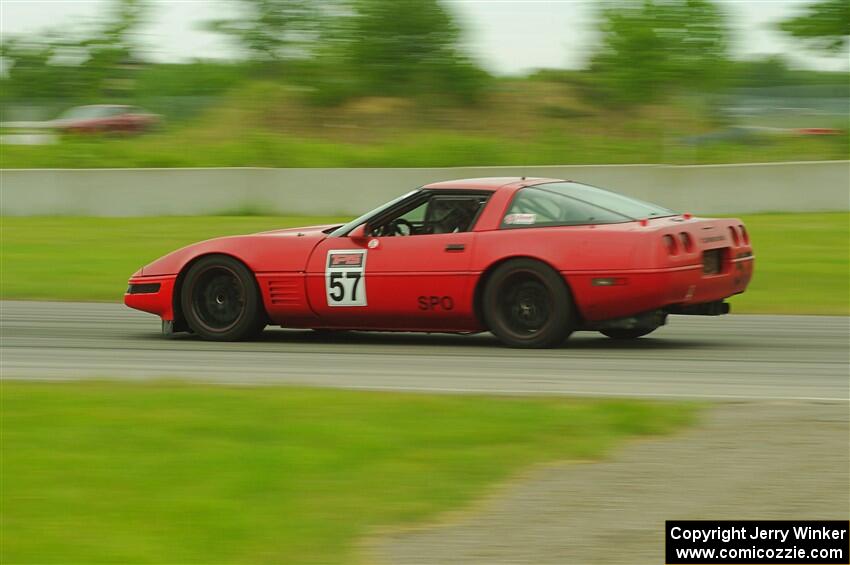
(625, 293)
(152, 294)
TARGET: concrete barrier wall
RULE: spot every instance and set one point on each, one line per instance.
(704, 189)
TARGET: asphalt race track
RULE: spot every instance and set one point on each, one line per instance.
(729, 357)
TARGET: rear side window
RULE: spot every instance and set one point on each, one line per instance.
(534, 206)
(632, 208)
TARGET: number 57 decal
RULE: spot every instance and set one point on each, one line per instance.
(345, 277)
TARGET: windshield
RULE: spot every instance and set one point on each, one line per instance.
(631, 208)
(342, 230)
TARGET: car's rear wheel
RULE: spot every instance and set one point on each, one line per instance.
(632, 333)
(220, 300)
(527, 304)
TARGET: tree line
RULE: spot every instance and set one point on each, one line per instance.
(340, 49)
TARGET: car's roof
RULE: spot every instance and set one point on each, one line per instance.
(488, 183)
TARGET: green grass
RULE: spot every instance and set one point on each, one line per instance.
(801, 259)
(92, 258)
(166, 473)
(802, 264)
(519, 123)
(421, 149)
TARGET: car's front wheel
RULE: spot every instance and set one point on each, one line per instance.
(527, 304)
(220, 300)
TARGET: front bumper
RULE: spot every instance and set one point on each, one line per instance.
(152, 294)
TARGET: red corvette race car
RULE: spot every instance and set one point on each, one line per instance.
(530, 260)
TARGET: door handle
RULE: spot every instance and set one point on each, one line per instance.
(455, 247)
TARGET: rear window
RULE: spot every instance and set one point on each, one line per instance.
(568, 204)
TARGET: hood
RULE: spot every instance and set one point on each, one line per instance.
(283, 250)
(308, 231)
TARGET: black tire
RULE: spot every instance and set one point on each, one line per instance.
(632, 333)
(220, 300)
(527, 304)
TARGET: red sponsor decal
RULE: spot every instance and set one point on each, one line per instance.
(346, 260)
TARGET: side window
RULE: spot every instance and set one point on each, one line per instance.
(539, 207)
(416, 215)
(452, 214)
(438, 214)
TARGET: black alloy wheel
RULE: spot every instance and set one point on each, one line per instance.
(527, 304)
(220, 300)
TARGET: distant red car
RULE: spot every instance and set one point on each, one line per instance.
(105, 118)
(531, 260)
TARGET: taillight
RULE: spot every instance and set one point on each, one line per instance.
(670, 244)
(734, 234)
(745, 234)
(687, 242)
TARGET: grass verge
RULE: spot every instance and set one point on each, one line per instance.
(91, 258)
(423, 149)
(521, 122)
(160, 472)
(802, 264)
(801, 259)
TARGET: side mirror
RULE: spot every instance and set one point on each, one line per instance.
(360, 232)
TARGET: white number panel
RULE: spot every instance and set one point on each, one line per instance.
(345, 277)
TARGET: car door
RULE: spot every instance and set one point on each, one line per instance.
(385, 280)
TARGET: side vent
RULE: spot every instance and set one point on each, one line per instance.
(285, 292)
